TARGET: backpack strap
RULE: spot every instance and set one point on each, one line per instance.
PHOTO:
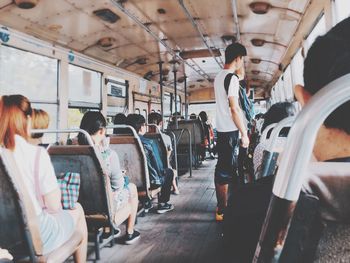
(227, 81)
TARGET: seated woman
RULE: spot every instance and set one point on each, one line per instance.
(275, 114)
(56, 225)
(40, 120)
(124, 193)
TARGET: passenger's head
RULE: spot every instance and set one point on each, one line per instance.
(203, 115)
(193, 116)
(15, 116)
(278, 112)
(40, 120)
(155, 118)
(234, 53)
(137, 121)
(328, 59)
(119, 118)
(95, 124)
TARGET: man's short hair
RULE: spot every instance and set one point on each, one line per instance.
(154, 118)
(234, 51)
(328, 59)
(136, 121)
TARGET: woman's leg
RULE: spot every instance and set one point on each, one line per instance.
(79, 221)
(175, 188)
(133, 201)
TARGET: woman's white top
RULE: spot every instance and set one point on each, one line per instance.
(24, 155)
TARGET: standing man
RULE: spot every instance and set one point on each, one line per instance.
(229, 124)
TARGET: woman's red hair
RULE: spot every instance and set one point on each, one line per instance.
(14, 112)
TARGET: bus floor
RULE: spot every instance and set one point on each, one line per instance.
(189, 233)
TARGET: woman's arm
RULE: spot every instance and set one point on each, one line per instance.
(117, 178)
(52, 201)
(49, 188)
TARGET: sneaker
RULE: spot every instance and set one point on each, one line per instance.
(163, 208)
(148, 206)
(132, 238)
(219, 217)
(105, 234)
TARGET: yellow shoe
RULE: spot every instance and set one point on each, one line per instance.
(219, 217)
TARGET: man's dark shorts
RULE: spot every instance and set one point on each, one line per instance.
(227, 148)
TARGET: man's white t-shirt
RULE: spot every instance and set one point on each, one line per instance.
(224, 122)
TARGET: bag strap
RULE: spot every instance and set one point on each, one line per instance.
(39, 197)
(227, 81)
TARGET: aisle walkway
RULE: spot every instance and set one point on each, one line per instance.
(187, 234)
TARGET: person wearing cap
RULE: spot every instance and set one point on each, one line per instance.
(229, 123)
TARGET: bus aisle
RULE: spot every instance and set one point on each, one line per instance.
(187, 234)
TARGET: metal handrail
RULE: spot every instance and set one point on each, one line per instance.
(285, 123)
(88, 136)
(263, 136)
(190, 144)
(290, 175)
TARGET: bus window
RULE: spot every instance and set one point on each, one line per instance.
(144, 114)
(319, 29)
(167, 104)
(29, 74)
(297, 67)
(84, 87)
(342, 9)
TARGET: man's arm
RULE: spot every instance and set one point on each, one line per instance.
(236, 113)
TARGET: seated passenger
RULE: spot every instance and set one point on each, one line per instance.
(120, 118)
(328, 59)
(275, 114)
(156, 118)
(208, 132)
(158, 176)
(124, 193)
(56, 225)
(40, 120)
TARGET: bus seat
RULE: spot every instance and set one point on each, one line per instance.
(19, 228)
(95, 194)
(196, 129)
(132, 160)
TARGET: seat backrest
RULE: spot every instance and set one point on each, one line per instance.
(159, 147)
(19, 230)
(95, 194)
(196, 129)
(132, 159)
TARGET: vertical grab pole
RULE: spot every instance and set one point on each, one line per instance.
(160, 63)
(186, 101)
(190, 155)
(175, 94)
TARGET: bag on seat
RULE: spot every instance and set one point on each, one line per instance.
(69, 184)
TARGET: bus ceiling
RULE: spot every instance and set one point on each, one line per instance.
(136, 35)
